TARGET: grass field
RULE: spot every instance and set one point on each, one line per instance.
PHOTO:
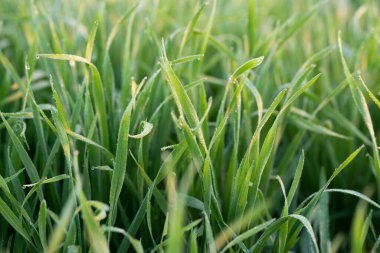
(189, 126)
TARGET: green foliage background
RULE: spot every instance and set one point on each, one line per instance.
(189, 126)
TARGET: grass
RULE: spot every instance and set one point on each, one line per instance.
(189, 126)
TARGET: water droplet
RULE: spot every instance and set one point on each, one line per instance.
(72, 63)
(37, 57)
(27, 67)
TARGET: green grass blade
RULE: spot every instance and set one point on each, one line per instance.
(23, 155)
(42, 224)
(119, 171)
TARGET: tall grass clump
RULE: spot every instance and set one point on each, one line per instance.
(189, 126)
